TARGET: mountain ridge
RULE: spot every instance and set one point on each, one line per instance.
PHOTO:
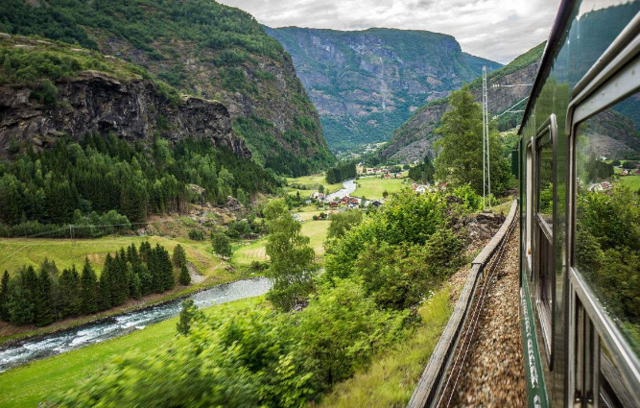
(365, 83)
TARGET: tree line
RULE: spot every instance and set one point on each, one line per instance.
(341, 172)
(44, 296)
(100, 174)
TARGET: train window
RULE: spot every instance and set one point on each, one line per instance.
(529, 206)
(607, 237)
(543, 243)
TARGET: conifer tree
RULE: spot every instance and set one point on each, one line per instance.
(146, 280)
(76, 301)
(88, 289)
(136, 287)
(66, 294)
(43, 303)
(4, 296)
(185, 278)
(20, 305)
(179, 256)
(104, 290)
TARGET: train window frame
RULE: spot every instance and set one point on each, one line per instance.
(545, 302)
(613, 78)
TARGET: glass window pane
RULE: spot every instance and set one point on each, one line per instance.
(545, 178)
(607, 250)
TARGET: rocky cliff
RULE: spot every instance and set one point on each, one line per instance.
(203, 49)
(92, 101)
(367, 83)
(414, 139)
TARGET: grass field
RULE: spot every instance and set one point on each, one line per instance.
(313, 180)
(394, 374)
(28, 385)
(373, 187)
(633, 182)
(14, 253)
(245, 253)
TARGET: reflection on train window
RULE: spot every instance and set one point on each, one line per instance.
(543, 243)
(607, 242)
(545, 186)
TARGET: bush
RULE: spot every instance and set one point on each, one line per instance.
(196, 235)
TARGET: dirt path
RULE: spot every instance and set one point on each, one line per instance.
(494, 369)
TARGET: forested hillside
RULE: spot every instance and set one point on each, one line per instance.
(367, 83)
(203, 49)
(414, 139)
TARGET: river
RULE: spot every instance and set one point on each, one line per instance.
(116, 326)
(348, 187)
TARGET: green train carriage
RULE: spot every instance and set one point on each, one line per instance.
(579, 215)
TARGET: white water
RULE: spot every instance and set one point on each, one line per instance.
(56, 343)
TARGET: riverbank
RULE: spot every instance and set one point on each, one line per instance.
(39, 381)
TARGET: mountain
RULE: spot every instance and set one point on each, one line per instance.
(413, 140)
(367, 83)
(203, 49)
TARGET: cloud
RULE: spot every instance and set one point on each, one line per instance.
(496, 29)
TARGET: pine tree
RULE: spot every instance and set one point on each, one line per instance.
(136, 287)
(185, 278)
(146, 280)
(4, 296)
(20, 305)
(76, 300)
(188, 314)
(167, 276)
(66, 293)
(43, 303)
(88, 289)
(119, 284)
(179, 256)
(104, 290)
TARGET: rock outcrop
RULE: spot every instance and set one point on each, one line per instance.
(95, 102)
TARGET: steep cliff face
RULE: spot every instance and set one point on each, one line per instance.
(366, 83)
(113, 100)
(414, 139)
(203, 49)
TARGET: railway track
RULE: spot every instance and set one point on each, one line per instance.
(449, 376)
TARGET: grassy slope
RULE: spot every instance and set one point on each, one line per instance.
(19, 251)
(372, 188)
(391, 379)
(28, 385)
(244, 254)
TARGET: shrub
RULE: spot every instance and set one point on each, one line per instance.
(196, 235)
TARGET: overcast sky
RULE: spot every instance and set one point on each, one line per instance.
(496, 29)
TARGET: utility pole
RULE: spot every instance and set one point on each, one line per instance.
(486, 158)
(484, 155)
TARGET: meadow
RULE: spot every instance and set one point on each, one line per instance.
(314, 180)
(633, 182)
(16, 252)
(373, 187)
(255, 251)
(41, 380)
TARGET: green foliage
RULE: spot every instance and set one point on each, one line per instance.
(423, 173)
(256, 358)
(292, 260)
(184, 278)
(344, 221)
(471, 201)
(221, 244)
(179, 257)
(608, 250)
(45, 93)
(406, 218)
(189, 313)
(341, 172)
(102, 174)
(50, 295)
(460, 158)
